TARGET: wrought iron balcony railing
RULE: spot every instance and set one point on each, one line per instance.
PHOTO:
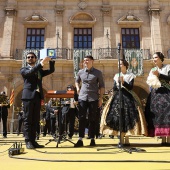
(61, 53)
(101, 53)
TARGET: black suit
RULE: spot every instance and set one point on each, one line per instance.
(32, 98)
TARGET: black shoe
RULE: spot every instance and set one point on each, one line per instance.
(79, 143)
(70, 137)
(36, 145)
(88, 137)
(44, 135)
(126, 144)
(29, 145)
(4, 136)
(111, 136)
(100, 136)
(165, 144)
(92, 143)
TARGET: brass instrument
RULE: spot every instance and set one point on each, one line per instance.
(4, 100)
(42, 110)
(42, 122)
(55, 104)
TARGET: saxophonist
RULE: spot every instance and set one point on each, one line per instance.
(4, 113)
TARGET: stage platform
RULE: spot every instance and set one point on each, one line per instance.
(105, 155)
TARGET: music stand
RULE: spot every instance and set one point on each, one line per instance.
(60, 94)
(120, 145)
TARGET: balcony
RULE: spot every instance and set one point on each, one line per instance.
(61, 53)
(98, 54)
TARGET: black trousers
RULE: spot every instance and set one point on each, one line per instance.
(47, 127)
(84, 107)
(20, 122)
(38, 129)
(31, 117)
(68, 119)
(97, 128)
(53, 126)
(4, 122)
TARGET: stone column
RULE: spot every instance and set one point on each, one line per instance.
(156, 40)
(106, 9)
(59, 25)
(8, 34)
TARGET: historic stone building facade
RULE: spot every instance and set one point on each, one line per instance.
(78, 27)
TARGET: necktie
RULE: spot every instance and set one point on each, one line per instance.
(39, 78)
(39, 75)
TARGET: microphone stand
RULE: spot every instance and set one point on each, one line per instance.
(120, 145)
(61, 136)
(120, 99)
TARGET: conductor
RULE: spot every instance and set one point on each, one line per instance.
(32, 95)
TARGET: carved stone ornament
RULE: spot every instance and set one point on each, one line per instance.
(106, 9)
(10, 11)
(82, 18)
(154, 11)
(36, 19)
(130, 19)
(82, 5)
(59, 9)
(154, 7)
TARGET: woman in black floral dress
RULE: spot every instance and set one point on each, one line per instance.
(133, 120)
(157, 109)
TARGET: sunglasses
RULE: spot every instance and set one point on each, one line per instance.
(30, 57)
